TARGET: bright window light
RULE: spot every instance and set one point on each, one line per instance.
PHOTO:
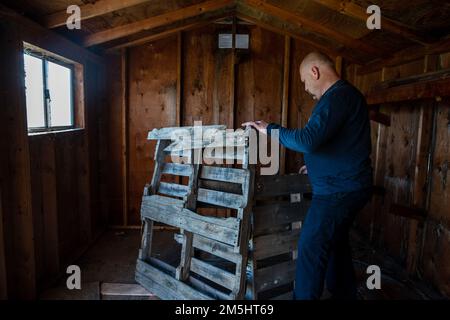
(34, 89)
(60, 88)
(48, 93)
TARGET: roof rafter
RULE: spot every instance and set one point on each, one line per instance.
(312, 25)
(353, 10)
(302, 38)
(90, 10)
(156, 21)
(170, 31)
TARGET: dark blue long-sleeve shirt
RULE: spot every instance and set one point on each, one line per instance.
(336, 141)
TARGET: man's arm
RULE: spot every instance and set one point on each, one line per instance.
(322, 125)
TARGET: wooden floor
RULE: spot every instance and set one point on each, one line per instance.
(112, 261)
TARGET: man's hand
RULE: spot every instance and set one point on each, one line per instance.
(303, 170)
(259, 125)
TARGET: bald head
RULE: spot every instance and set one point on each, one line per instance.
(317, 72)
(317, 59)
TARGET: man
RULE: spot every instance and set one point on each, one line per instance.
(336, 145)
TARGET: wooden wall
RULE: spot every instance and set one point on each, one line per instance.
(51, 188)
(400, 157)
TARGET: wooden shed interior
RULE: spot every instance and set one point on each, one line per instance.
(137, 65)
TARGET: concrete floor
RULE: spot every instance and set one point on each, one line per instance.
(112, 260)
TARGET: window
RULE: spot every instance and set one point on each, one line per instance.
(49, 92)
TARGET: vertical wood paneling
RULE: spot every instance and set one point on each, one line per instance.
(152, 104)
(15, 164)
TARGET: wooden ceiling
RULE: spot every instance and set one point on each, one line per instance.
(335, 26)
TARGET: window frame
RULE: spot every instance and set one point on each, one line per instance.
(47, 107)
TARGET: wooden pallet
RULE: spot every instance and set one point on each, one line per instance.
(280, 206)
(175, 205)
(263, 221)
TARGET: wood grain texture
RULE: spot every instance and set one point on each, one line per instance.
(152, 104)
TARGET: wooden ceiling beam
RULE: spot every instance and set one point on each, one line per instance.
(405, 56)
(157, 21)
(169, 32)
(312, 25)
(90, 10)
(355, 11)
(265, 25)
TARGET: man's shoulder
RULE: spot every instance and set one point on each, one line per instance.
(346, 92)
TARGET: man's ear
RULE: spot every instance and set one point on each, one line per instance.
(315, 73)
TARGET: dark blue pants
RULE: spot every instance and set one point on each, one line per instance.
(324, 253)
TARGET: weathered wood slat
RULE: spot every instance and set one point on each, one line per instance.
(163, 210)
(276, 185)
(124, 289)
(274, 276)
(220, 186)
(165, 286)
(210, 272)
(274, 244)
(266, 216)
(177, 169)
(285, 296)
(203, 287)
(216, 248)
(219, 198)
(232, 175)
(172, 132)
(173, 189)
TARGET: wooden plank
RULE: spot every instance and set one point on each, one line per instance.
(232, 87)
(284, 31)
(427, 76)
(173, 189)
(270, 215)
(165, 286)
(354, 10)
(178, 169)
(170, 212)
(232, 175)
(274, 244)
(275, 276)
(224, 278)
(222, 199)
(179, 106)
(220, 186)
(150, 106)
(125, 132)
(406, 55)
(156, 21)
(171, 30)
(285, 98)
(146, 241)
(89, 10)
(169, 133)
(203, 287)
(187, 250)
(313, 26)
(408, 212)
(49, 206)
(276, 185)
(124, 289)
(285, 296)
(413, 91)
(216, 248)
(3, 277)
(15, 167)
